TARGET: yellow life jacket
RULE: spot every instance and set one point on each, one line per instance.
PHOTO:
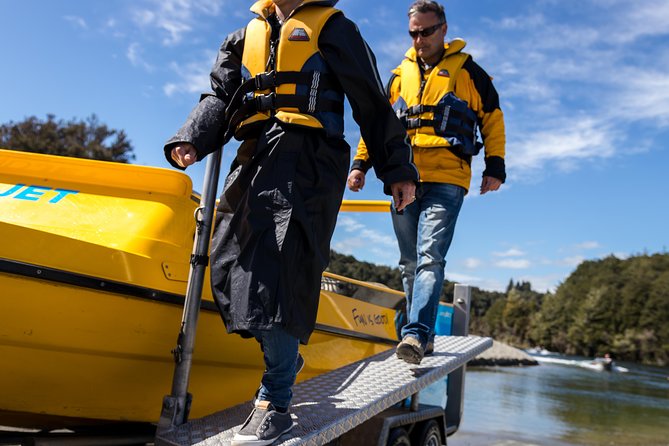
(289, 80)
(431, 112)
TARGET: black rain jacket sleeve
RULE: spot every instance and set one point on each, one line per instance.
(205, 126)
(354, 64)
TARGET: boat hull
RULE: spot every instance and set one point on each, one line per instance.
(92, 284)
(82, 353)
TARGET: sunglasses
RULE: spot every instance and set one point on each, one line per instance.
(425, 32)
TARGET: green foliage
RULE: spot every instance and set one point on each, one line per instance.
(608, 305)
(350, 267)
(79, 139)
(611, 305)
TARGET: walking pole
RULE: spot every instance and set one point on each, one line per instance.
(177, 405)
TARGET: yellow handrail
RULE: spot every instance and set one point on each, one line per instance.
(365, 206)
(371, 286)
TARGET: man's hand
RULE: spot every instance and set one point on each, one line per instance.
(404, 193)
(490, 184)
(356, 180)
(184, 154)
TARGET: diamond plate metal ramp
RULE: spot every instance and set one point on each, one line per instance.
(327, 406)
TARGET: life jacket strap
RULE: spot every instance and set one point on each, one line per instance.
(420, 109)
(315, 80)
(272, 79)
(273, 101)
(241, 106)
(447, 111)
(414, 123)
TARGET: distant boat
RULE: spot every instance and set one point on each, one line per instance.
(538, 351)
(605, 364)
(597, 364)
(590, 364)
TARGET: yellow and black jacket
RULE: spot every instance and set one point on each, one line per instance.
(442, 144)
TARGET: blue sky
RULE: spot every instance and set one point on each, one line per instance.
(584, 87)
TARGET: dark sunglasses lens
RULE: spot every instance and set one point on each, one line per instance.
(425, 32)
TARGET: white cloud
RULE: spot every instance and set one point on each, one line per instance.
(367, 235)
(376, 246)
(567, 143)
(532, 21)
(572, 261)
(376, 238)
(480, 282)
(513, 263)
(569, 90)
(175, 18)
(194, 77)
(588, 245)
(644, 96)
(472, 263)
(349, 224)
(647, 18)
(512, 252)
(347, 246)
(378, 252)
(77, 21)
(134, 54)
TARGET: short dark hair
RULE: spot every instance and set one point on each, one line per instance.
(423, 6)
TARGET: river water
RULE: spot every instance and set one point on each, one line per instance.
(560, 402)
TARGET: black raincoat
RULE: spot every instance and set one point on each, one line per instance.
(280, 201)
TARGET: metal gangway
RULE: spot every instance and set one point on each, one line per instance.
(361, 402)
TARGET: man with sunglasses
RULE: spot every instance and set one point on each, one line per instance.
(444, 99)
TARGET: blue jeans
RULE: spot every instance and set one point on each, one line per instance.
(424, 233)
(280, 354)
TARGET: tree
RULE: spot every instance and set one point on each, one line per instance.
(79, 139)
(607, 305)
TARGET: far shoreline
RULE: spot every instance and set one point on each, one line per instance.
(501, 354)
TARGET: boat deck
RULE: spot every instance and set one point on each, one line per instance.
(327, 406)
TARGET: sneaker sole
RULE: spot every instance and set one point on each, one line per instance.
(242, 442)
(408, 354)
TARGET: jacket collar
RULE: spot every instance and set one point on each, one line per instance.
(454, 46)
(265, 8)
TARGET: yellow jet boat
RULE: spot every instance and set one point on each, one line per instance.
(94, 264)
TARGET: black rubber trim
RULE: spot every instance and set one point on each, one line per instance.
(111, 286)
(94, 283)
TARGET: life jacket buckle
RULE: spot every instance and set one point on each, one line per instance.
(265, 102)
(415, 110)
(413, 123)
(265, 81)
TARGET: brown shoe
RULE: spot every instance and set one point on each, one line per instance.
(410, 350)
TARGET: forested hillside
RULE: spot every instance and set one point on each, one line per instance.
(609, 305)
